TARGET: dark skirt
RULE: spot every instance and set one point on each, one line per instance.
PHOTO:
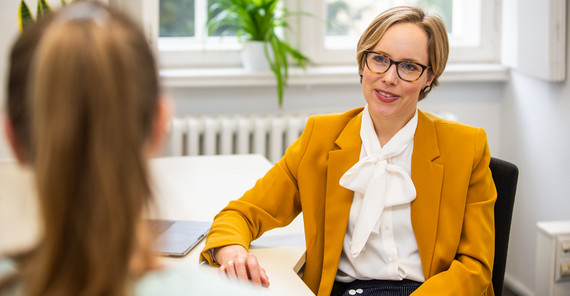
(375, 288)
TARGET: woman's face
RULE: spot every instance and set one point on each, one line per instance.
(388, 96)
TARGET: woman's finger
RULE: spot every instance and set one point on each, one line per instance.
(229, 268)
(254, 269)
(264, 277)
(241, 269)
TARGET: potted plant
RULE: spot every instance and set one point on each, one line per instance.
(259, 20)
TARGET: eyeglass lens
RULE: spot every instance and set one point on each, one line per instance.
(380, 63)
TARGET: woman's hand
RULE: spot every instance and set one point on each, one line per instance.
(237, 263)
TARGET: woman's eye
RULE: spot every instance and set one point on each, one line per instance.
(411, 67)
(381, 59)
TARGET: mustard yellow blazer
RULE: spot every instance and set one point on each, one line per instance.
(452, 215)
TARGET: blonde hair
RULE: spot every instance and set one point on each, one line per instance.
(94, 91)
(438, 44)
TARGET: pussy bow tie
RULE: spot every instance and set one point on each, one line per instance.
(380, 182)
(382, 185)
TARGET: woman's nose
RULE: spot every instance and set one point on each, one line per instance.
(391, 75)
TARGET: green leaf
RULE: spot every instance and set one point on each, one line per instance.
(24, 16)
(279, 67)
(43, 8)
(258, 20)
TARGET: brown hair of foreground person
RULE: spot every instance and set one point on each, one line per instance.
(92, 91)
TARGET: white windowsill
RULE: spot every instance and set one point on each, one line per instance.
(323, 75)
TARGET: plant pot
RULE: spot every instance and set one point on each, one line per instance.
(253, 56)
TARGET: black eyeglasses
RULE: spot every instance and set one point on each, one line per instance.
(379, 63)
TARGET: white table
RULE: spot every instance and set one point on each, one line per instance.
(198, 187)
(186, 188)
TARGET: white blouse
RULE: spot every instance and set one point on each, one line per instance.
(379, 242)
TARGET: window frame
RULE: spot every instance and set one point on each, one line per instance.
(482, 48)
(221, 53)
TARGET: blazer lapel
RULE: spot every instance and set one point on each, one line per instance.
(338, 199)
(427, 176)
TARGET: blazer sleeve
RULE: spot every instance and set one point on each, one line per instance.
(470, 272)
(273, 202)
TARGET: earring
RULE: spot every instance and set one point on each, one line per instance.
(426, 89)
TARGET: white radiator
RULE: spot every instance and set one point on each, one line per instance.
(265, 134)
(231, 134)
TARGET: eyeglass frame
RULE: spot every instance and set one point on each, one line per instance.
(397, 63)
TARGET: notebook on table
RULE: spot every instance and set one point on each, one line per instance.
(176, 238)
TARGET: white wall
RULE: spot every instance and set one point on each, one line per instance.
(9, 25)
(535, 126)
(536, 136)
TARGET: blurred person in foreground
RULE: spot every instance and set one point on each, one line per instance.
(85, 113)
(395, 201)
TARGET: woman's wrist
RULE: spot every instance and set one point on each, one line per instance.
(213, 255)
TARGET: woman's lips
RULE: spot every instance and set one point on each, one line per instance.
(386, 97)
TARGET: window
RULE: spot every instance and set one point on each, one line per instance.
(184, 41)
(348, 18)
(177, 18)
(471, 39)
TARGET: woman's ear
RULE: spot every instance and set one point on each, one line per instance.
(430, 78)
(13, 140)
(160, 124)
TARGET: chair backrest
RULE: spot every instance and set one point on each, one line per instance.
(505, 176)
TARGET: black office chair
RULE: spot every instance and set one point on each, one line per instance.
(505, 175)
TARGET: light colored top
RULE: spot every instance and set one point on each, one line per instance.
(178, 279)
(186, 279)
(379, 242)
(8, 267)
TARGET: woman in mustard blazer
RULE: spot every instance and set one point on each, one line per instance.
(431, 176)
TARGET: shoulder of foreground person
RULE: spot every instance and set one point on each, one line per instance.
(192, 279)
(9, 286)
(180, 279)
